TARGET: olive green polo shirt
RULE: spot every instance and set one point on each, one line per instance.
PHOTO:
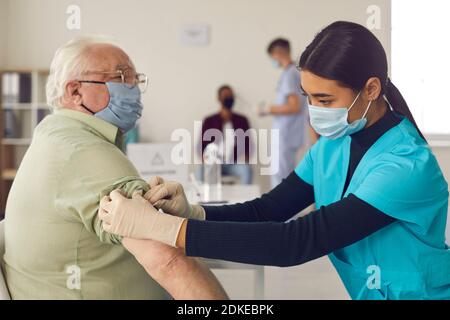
(55, 245)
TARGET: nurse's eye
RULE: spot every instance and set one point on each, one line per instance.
(325, 102)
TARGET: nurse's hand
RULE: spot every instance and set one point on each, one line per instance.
(183, 277)
(170, 197)
(137, 218)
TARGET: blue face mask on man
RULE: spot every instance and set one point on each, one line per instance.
(124, 107)
(332, 122)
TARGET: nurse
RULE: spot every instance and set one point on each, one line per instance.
(381, 195)
(289, 114)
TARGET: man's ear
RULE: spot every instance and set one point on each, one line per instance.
(373, 88)
(72, 93)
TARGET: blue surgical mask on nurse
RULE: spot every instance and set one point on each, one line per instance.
(333, 122)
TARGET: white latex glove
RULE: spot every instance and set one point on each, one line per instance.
(170, 197)
(136, 218)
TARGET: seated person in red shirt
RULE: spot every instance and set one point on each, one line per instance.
(234, 149)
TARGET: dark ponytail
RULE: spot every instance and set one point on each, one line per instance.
(350, 54)
(398, 103)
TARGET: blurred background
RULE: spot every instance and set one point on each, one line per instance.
(189, 48)
(183, 78)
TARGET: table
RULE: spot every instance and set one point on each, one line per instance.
(235, 194)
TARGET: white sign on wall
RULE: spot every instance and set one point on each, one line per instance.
(195, 35)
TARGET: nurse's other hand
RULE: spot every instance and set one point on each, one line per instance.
(155, 181)
(137, 218)
(170, 197)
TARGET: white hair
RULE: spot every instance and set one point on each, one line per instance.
(68, 64)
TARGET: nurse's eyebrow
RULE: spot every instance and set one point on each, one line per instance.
(317, 95)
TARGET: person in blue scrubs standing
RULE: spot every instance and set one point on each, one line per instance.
(289, 111)
(381, 197)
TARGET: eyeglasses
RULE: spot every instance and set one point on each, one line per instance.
(127, 76)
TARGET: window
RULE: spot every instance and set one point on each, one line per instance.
(420, 61)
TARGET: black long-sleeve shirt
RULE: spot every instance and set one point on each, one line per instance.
(255, 232)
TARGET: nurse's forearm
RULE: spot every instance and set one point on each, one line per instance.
(284, 201)
(284, 244)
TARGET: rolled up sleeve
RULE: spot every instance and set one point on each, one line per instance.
(95, 174)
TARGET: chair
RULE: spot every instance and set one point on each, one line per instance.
(4, 294)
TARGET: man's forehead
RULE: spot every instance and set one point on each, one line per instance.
(108, 57)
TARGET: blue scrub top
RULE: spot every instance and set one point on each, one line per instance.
(290, 126)
(399, 176)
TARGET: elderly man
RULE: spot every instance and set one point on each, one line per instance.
(56, 247)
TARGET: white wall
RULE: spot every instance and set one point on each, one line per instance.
(184, 80)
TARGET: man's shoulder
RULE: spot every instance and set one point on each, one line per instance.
(68, 133)
(81, 146)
